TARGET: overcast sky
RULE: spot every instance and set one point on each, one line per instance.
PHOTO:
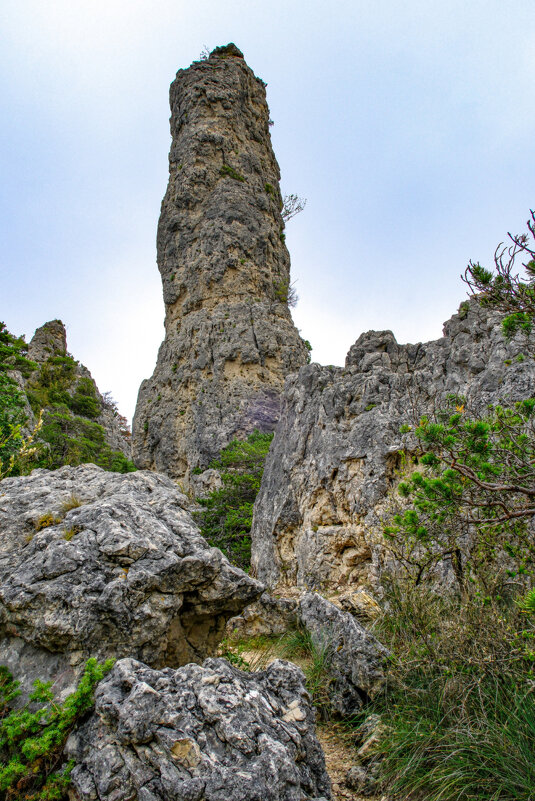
(409, 127)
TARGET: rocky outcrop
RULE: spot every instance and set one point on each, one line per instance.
(229, 337)
(355, 660)
(337, 447)
(107, 565)
(212, 733)
(48, 344)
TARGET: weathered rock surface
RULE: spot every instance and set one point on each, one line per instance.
(336, 448)
(212, 733)
(230, 340)
(267, 615)
(356, 659)
(125, 573)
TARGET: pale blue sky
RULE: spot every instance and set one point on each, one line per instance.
(409, 127)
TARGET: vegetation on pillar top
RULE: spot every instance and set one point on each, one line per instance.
(227, 50)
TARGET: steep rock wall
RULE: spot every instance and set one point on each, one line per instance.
(336, 448)
(229, 337)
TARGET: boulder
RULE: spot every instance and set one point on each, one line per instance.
(355, 659)
(210, 733)
(101, 564)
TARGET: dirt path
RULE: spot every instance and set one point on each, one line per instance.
(339, 757)
(335, 739)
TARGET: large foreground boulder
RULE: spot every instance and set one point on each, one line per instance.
(107, 565)
(212, 733)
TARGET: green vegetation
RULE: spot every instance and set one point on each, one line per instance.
(227, 170)
(46, 520)
(285, 292)
(74, 440)
(13, 352)
(66, 406)
(72, 502)
(298, 645)
(508, 292)
(227, 513)
(69, 533)
(32, 738)
(473, 498)
(459, 705)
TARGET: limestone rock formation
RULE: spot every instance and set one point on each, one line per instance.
(78, 393)
(101, 564)
(229, 337)
(356, 659)
(212, 733)
(336, 448)
(268, 615)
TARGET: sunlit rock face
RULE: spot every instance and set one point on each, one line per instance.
(229, 337)
(336, 451)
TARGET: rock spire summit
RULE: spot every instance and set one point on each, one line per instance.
(229, 336)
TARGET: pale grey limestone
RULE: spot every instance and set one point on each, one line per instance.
(337, 447)
(229, 337)
(126, 573)
(355, 660)
(210, 733)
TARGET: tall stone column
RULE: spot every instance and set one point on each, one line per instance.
(229, 336)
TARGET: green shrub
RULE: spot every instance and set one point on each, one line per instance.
(470, 501)
(46, 520)
(50, 383)
(32, 738)
(227, 513)
(13, 352)
(84, 401)
(505, 289)
(227, 170)
(76, 440)
(72, 502)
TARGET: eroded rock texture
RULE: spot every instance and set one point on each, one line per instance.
(229, 337)
(355, 659)
(125, 572)
(210, 733)
(336, 448)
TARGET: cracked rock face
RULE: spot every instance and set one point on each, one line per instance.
(210, 733)
(336, 449)
(125, 573)
(229, 337)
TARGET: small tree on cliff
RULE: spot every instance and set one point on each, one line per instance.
(505, 290)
